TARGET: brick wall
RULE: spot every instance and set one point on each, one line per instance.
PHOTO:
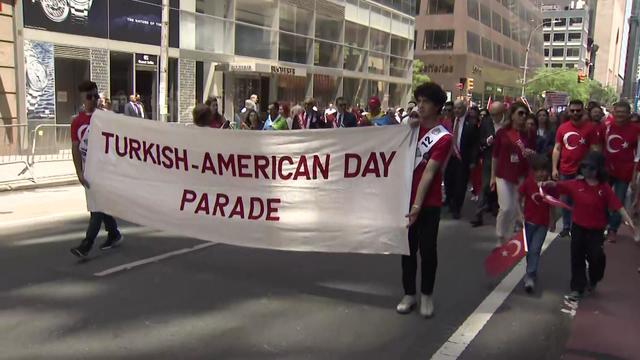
(100, 69)
(187, 88)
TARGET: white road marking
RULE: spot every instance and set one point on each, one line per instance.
(153, 259)
(458, 342)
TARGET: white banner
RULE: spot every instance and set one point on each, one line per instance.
(335, 190)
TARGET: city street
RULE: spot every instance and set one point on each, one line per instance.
(225, 302)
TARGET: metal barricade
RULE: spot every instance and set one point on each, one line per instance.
(14, 149)
(50, 142)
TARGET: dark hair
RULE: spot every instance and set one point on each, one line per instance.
(474, 108)
(448, 103)
(592, 104)
(87, 86)
(210, 100)
(412, 102)
(576, 102)
(432, 92)
(340, 99)
(540, 162)
(202, 115)
(544, 111)
(535, 119)
(247, 114)
(623, 104)
(596, 159)
(276, 105)
(512, 110)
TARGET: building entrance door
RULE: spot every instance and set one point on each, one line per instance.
(147, 88)
(69, 73)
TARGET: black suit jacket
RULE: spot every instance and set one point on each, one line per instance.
(316, 121)
(468, 141)
(349, 120)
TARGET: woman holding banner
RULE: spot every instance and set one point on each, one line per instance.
(433, 151)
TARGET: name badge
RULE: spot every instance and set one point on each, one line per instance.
(515, 158)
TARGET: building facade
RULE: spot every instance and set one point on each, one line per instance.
(484, 40)
(8, 89)
(281, 50)
(608, 25)
(566, 33)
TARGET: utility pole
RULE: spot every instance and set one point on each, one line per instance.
(631, 63)
(164, 61)
(526, 58)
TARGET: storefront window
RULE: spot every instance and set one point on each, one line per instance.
(68, 74)
(325, 89)
(295, 19)
(254, 42)
(256, 12)
(294, 48)
(354, 59)
(327, 54)
(355, 35)
(121, 70)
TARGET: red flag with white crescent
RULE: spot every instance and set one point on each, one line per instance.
(553, 201)
(504, 257)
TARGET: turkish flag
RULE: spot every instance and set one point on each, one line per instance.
(504, 257)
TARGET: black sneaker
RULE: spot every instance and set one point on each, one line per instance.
(112, 241)
(565, 233)
(574, 296)
(82, 250)
(477, 223)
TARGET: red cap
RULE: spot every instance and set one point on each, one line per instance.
(374, 101)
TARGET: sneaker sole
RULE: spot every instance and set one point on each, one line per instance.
(408, 311)
(115, 244)
(77, 253)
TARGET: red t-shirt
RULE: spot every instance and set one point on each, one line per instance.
(590, 203)
(536, 211)
(508, 149)
(575, 143)
(439, 152)
(619, 149)
(80, 132)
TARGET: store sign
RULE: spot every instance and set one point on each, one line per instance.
(283, 70)
(435, 68)
(88, 18)
(242, 67)
(144, 59)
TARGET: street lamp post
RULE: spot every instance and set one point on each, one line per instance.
(526, 58)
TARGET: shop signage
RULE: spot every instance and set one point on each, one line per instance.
(435, 68)
(144, 59)
(242, 67)
(283, 70)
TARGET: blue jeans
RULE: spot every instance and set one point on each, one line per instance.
(566, 214)
(535, 238)
(620, 189)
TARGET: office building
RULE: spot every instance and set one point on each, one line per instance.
(566, 32)
(485, 40)
(608, 27)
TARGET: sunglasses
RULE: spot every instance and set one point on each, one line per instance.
(574, 111)
(521, 113)
(92, 96)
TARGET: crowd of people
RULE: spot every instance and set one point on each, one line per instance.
(513, 159)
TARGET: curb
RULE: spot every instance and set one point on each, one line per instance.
(27, 185)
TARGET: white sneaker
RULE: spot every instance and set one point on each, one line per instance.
(406, 305)
(426, 306)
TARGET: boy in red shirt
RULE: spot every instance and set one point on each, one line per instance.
(592, 197)
(536, 216)
(79, 145)
(433, 151)
(620, 141)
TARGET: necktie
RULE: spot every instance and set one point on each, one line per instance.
(456, 147)
(340, 120)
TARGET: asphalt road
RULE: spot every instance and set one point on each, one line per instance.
(226, 302)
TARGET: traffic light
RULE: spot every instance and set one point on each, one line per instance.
(581, 76)
(470, 84)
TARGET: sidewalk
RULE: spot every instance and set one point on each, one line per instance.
(42, 174)
(607, 324)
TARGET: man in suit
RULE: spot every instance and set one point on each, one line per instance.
(341, 118)
(488, 128)
(310, 118)
(131, 109)
(465, 134)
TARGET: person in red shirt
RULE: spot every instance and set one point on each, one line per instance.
(592, 197)
(433, 151)
(620, 144)
(217, 120)
(573, 140)
(79, 145)
(508, 168)
(536, 216)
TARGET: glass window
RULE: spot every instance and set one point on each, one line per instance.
(558, 37)
(354, 90)
(220, 8)
(575, 36)
(355, 35)
(570, 66)
(557, 52)
(497, 22)
(327, 54)
(253, 42)
(212, 34)
(121, 66)
(486, 48)
(440, 7)
(399, 46)
(556, 65)
(515, 60)
(515, 32)
(354, 59)
(376, 63)
(573, 52)
(399, 67)
(418, 3)
(256, 12)
(546, 37)
(497, 53)
(485, 15)
(507, 56)
(295, 19)
(329, 23)
(506, 27)
(472, 9)
(379, 41)
(438, 39)
(575, 21)
(546, 22)
(546, 52)
(294, 48)
(560, 22)
(325, 89)
(473, 43)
